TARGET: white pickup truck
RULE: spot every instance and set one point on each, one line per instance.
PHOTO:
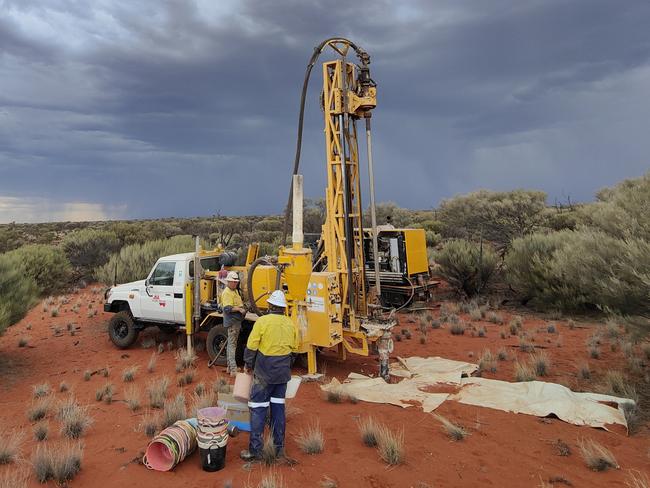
(159, 300)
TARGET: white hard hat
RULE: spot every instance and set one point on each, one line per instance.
(277, 298)
(232, 276)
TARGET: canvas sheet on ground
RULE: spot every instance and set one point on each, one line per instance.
(532, 397)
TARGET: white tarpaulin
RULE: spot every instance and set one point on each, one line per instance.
(531, 397)
(542, 399)
(418, 373)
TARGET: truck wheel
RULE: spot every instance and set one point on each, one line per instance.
(121, 330)
(217, 337)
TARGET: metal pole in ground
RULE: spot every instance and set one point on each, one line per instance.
(196, 322)
(373, 214)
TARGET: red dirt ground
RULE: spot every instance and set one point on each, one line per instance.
(503, 449)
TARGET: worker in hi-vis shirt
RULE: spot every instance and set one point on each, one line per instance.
(268, 355)
(233, 314)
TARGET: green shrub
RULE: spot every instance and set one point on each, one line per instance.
(47, 266)
(90, 248)
(528, 264)
(467, 266)
(576, 270)
(622, 211)
(135, 261)
(17, 292)
(498, 217)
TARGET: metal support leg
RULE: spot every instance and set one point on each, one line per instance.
(385, 347)
(342, 352)
(312, 367)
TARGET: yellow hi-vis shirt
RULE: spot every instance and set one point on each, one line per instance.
(231, 298)
(269, 348)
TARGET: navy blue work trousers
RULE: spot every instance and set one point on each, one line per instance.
(262, 397)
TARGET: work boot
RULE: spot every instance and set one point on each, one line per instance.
(282, 458)
(246, 455)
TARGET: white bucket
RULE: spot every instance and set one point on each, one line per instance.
(292, 386)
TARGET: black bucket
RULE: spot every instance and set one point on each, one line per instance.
(213, 459)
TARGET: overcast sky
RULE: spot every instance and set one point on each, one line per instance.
(139, 109)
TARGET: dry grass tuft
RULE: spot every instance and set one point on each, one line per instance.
(457, 328)
(390, 445)
(132, 398)
(637, 479)
(334, 395)
(42, 390)
(615, 383)
(87, 375)
(269, 452)
(63, 387)
(158, 392)
(487, 362)
(495, 318)
(59, 463)
(584, 371)
(310, 440)
(523, 372)
(14, 479)
(221, 386)
(369, 429)
(540, 363)
(174, 410)
(75, 421)
(39, 409)
(203, 400)
(128, 375)
(149, 424)
(273, 480)
(10, 443)
(502, 354)
(184, 359)
(455, 432)
(596, 456)
(525, 345)
(105, 393)
(41, 431)
(151, 365)
(475, 314)
(23, 341)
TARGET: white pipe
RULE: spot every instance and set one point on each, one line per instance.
(297, 235)
(373, 214)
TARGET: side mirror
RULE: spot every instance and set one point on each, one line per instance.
(146, 282)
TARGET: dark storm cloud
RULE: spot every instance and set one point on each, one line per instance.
(147, 109)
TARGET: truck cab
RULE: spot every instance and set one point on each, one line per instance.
(161, 299)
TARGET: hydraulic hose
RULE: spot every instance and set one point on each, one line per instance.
(268, 260)
(365, 60)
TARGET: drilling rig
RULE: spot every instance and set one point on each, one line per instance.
(334, 293)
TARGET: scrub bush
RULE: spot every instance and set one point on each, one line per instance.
(87, 249)
(468, 267)
(498, 217)
(17, 292)
(135, 261)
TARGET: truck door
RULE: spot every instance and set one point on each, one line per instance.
(179, 292)
(158, 300)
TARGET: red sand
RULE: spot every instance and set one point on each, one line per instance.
(503, 449)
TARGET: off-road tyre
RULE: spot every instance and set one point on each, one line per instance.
(217, 336)
(122, 330)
